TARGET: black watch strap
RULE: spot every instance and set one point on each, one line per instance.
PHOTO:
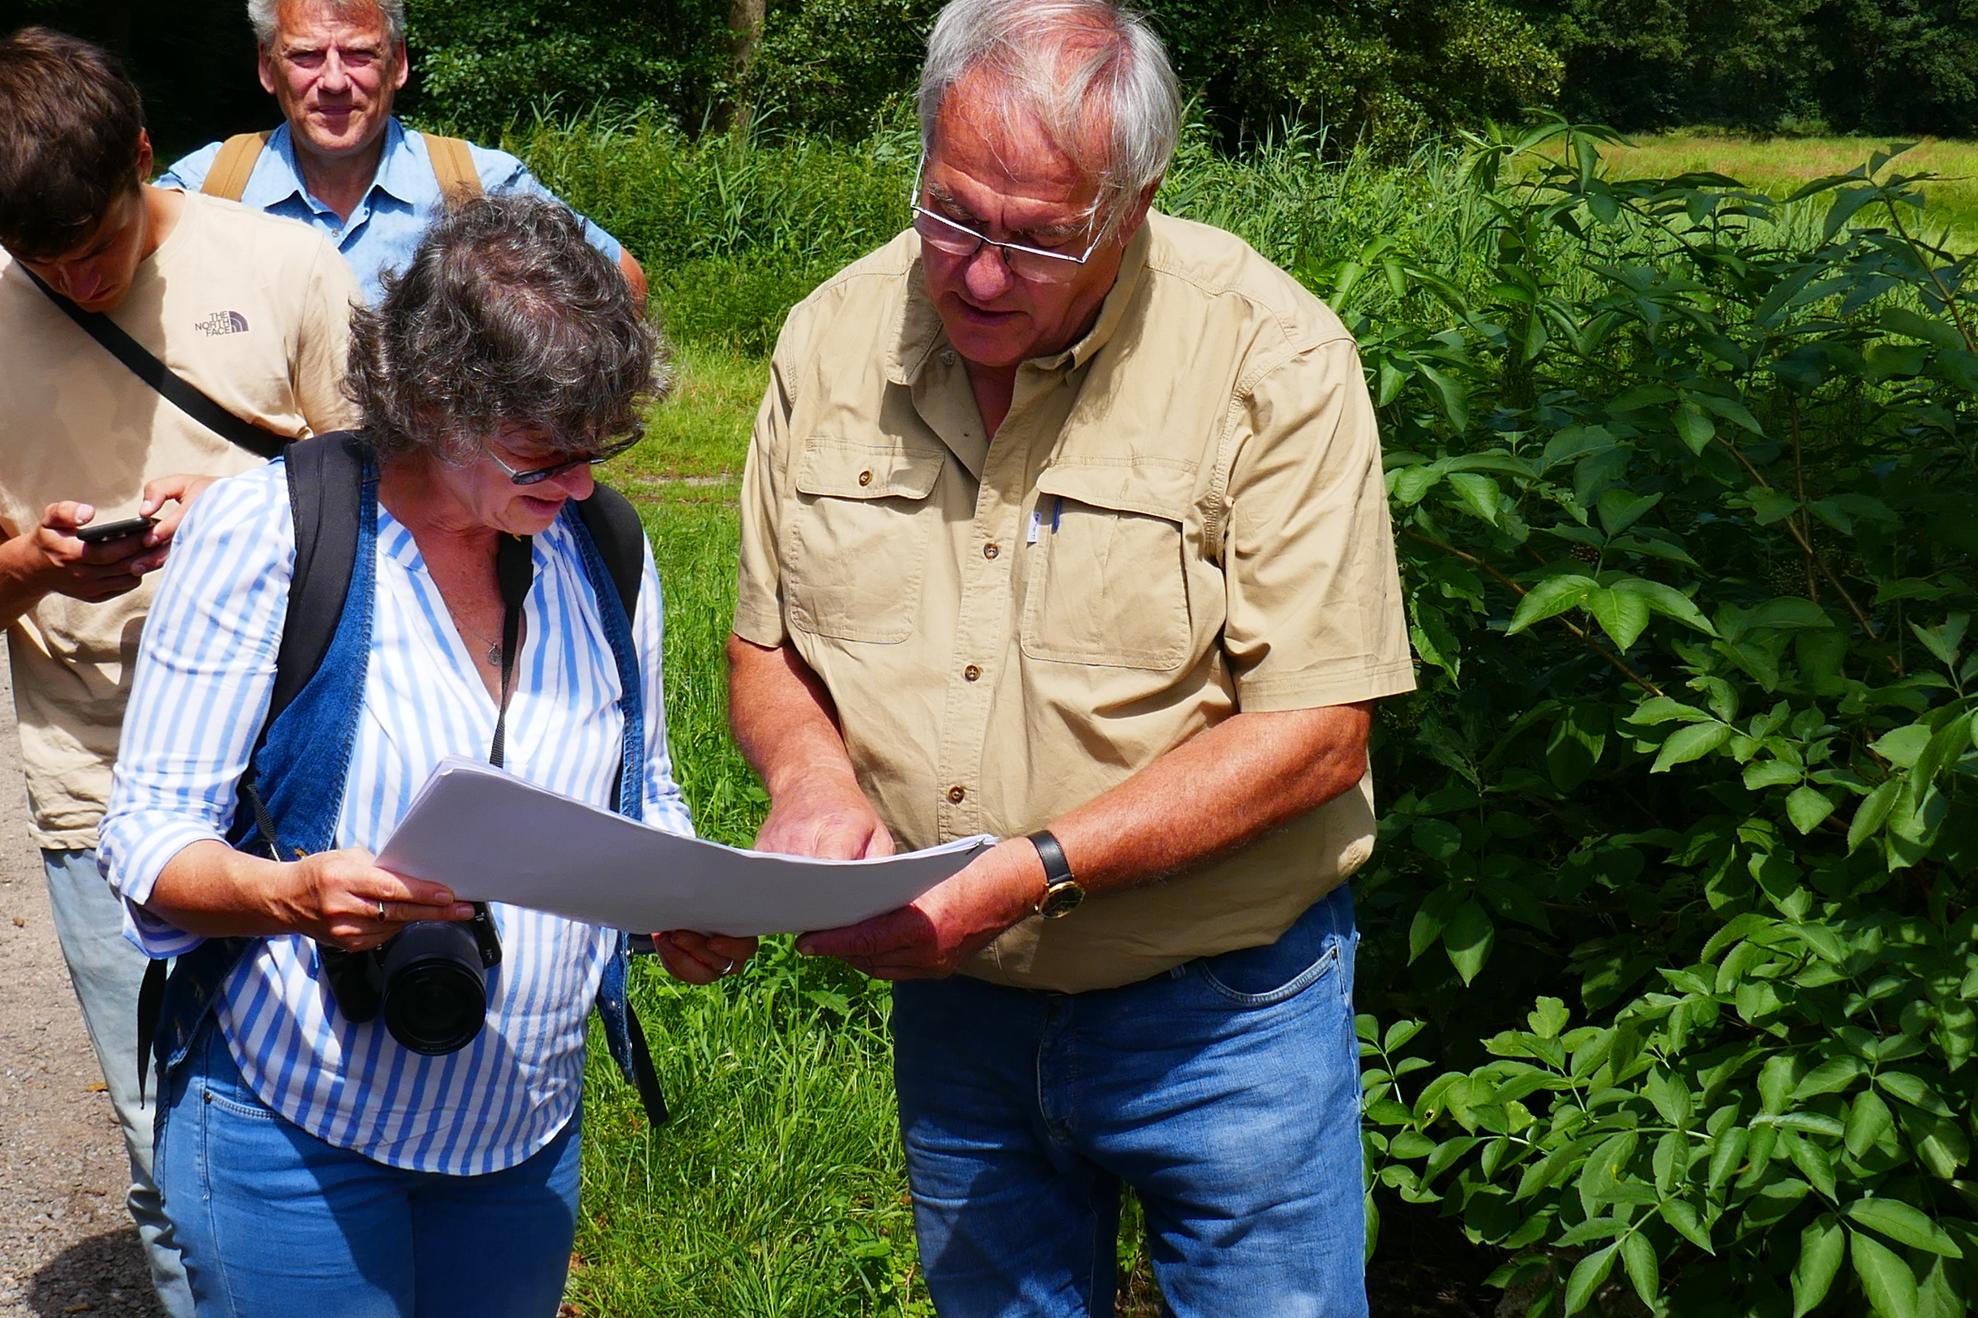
(1056, 868)
(1061, 890)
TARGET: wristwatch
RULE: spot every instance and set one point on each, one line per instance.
(1061, 890)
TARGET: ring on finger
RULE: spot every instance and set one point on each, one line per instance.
(382, 917)
(728, 969)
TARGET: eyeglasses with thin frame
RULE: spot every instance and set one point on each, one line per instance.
(1033, 263)
(537, 475)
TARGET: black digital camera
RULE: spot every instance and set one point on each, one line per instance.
(430, 982)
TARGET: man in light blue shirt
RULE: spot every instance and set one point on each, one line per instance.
(342, 162)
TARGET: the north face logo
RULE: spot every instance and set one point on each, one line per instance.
(222, 322)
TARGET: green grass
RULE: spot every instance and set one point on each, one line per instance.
(777, 1188)
(1780, 165)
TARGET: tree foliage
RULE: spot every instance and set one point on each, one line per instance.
(1681, 851)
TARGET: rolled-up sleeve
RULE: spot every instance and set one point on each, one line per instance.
(205, 671)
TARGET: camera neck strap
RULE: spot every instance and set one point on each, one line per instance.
(514, 571)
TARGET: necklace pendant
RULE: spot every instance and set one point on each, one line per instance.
(493, 656)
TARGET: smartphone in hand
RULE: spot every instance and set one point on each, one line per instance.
(101, 533)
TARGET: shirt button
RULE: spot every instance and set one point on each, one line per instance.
(957, 794)
(971, 672)
(865, 478)
(947, 357)
(990, 550)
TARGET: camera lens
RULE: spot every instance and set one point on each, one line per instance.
(435, 998)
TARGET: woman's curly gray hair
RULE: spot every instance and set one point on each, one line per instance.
(504, 316)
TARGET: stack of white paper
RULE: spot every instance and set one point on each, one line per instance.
(490, 836)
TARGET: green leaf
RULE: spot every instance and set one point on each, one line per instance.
(1662, 709)
(1587, 1275)
(1905, 1224)
(1901, 320)
(1622, 615)
(1868, 1120)
(1694, 428)
(1479, 494)
(1903, 746)
(1687, 1222)
(1946, 641)
(1820, 1249)
(1885, 1278)
(1725, 1155)
(1832, 1076)
(1552, 596)
(1760, 774)
(1775, 1080)
(1670, 1096)
(1468, 937)
(1621, 509)
(1548, 1018)
(1826, 944)
(1912, 1090)
(1691, 743)
(1644, 1269)
(1667, 601)
(1575, 442)
(1807, 807)
(1870, 814)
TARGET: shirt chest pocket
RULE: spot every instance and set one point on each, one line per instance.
(1105, 577)
(859, 538)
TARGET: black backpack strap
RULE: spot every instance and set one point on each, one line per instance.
(621, 540)
(176, 390)
(325, 479)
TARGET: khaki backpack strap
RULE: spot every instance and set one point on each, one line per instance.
(228, 176)
(453, 167)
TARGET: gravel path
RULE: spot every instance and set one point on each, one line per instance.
(67, 1245)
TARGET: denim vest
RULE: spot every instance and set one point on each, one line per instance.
(304, 758)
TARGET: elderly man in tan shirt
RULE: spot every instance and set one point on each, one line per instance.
(1064, 521)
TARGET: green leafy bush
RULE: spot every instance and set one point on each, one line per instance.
(1685, 498)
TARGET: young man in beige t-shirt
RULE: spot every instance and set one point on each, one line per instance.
(252, 311)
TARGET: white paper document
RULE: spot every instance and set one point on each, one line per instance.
(490, 836)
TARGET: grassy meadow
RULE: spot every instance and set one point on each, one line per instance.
(1780, 165)
(778, 1186)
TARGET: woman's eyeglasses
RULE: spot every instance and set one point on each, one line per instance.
(537, 475)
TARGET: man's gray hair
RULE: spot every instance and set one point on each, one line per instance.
(264, 13)
(1077, 65)
(504, 316)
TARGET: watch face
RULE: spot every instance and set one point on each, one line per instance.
(1060, 899)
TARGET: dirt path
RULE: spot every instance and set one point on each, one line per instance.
(66, 1243)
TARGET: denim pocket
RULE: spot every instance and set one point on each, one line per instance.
(1313, 947)
(1219, 972)
(252, 1111)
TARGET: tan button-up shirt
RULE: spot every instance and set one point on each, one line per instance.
(251, 310)
(1182, 516)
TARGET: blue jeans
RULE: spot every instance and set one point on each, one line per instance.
(1225, 1092)
(106, 971)
(273, 1220)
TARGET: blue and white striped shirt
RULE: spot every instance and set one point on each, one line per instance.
(204, 675)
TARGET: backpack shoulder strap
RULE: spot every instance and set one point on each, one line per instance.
(453, 168)
(621, 540)
(325, 476)
(228, 176)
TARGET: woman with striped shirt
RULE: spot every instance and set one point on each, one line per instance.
(312, 1161)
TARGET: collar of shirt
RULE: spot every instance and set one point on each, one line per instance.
(920, 332)
(400, 165)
